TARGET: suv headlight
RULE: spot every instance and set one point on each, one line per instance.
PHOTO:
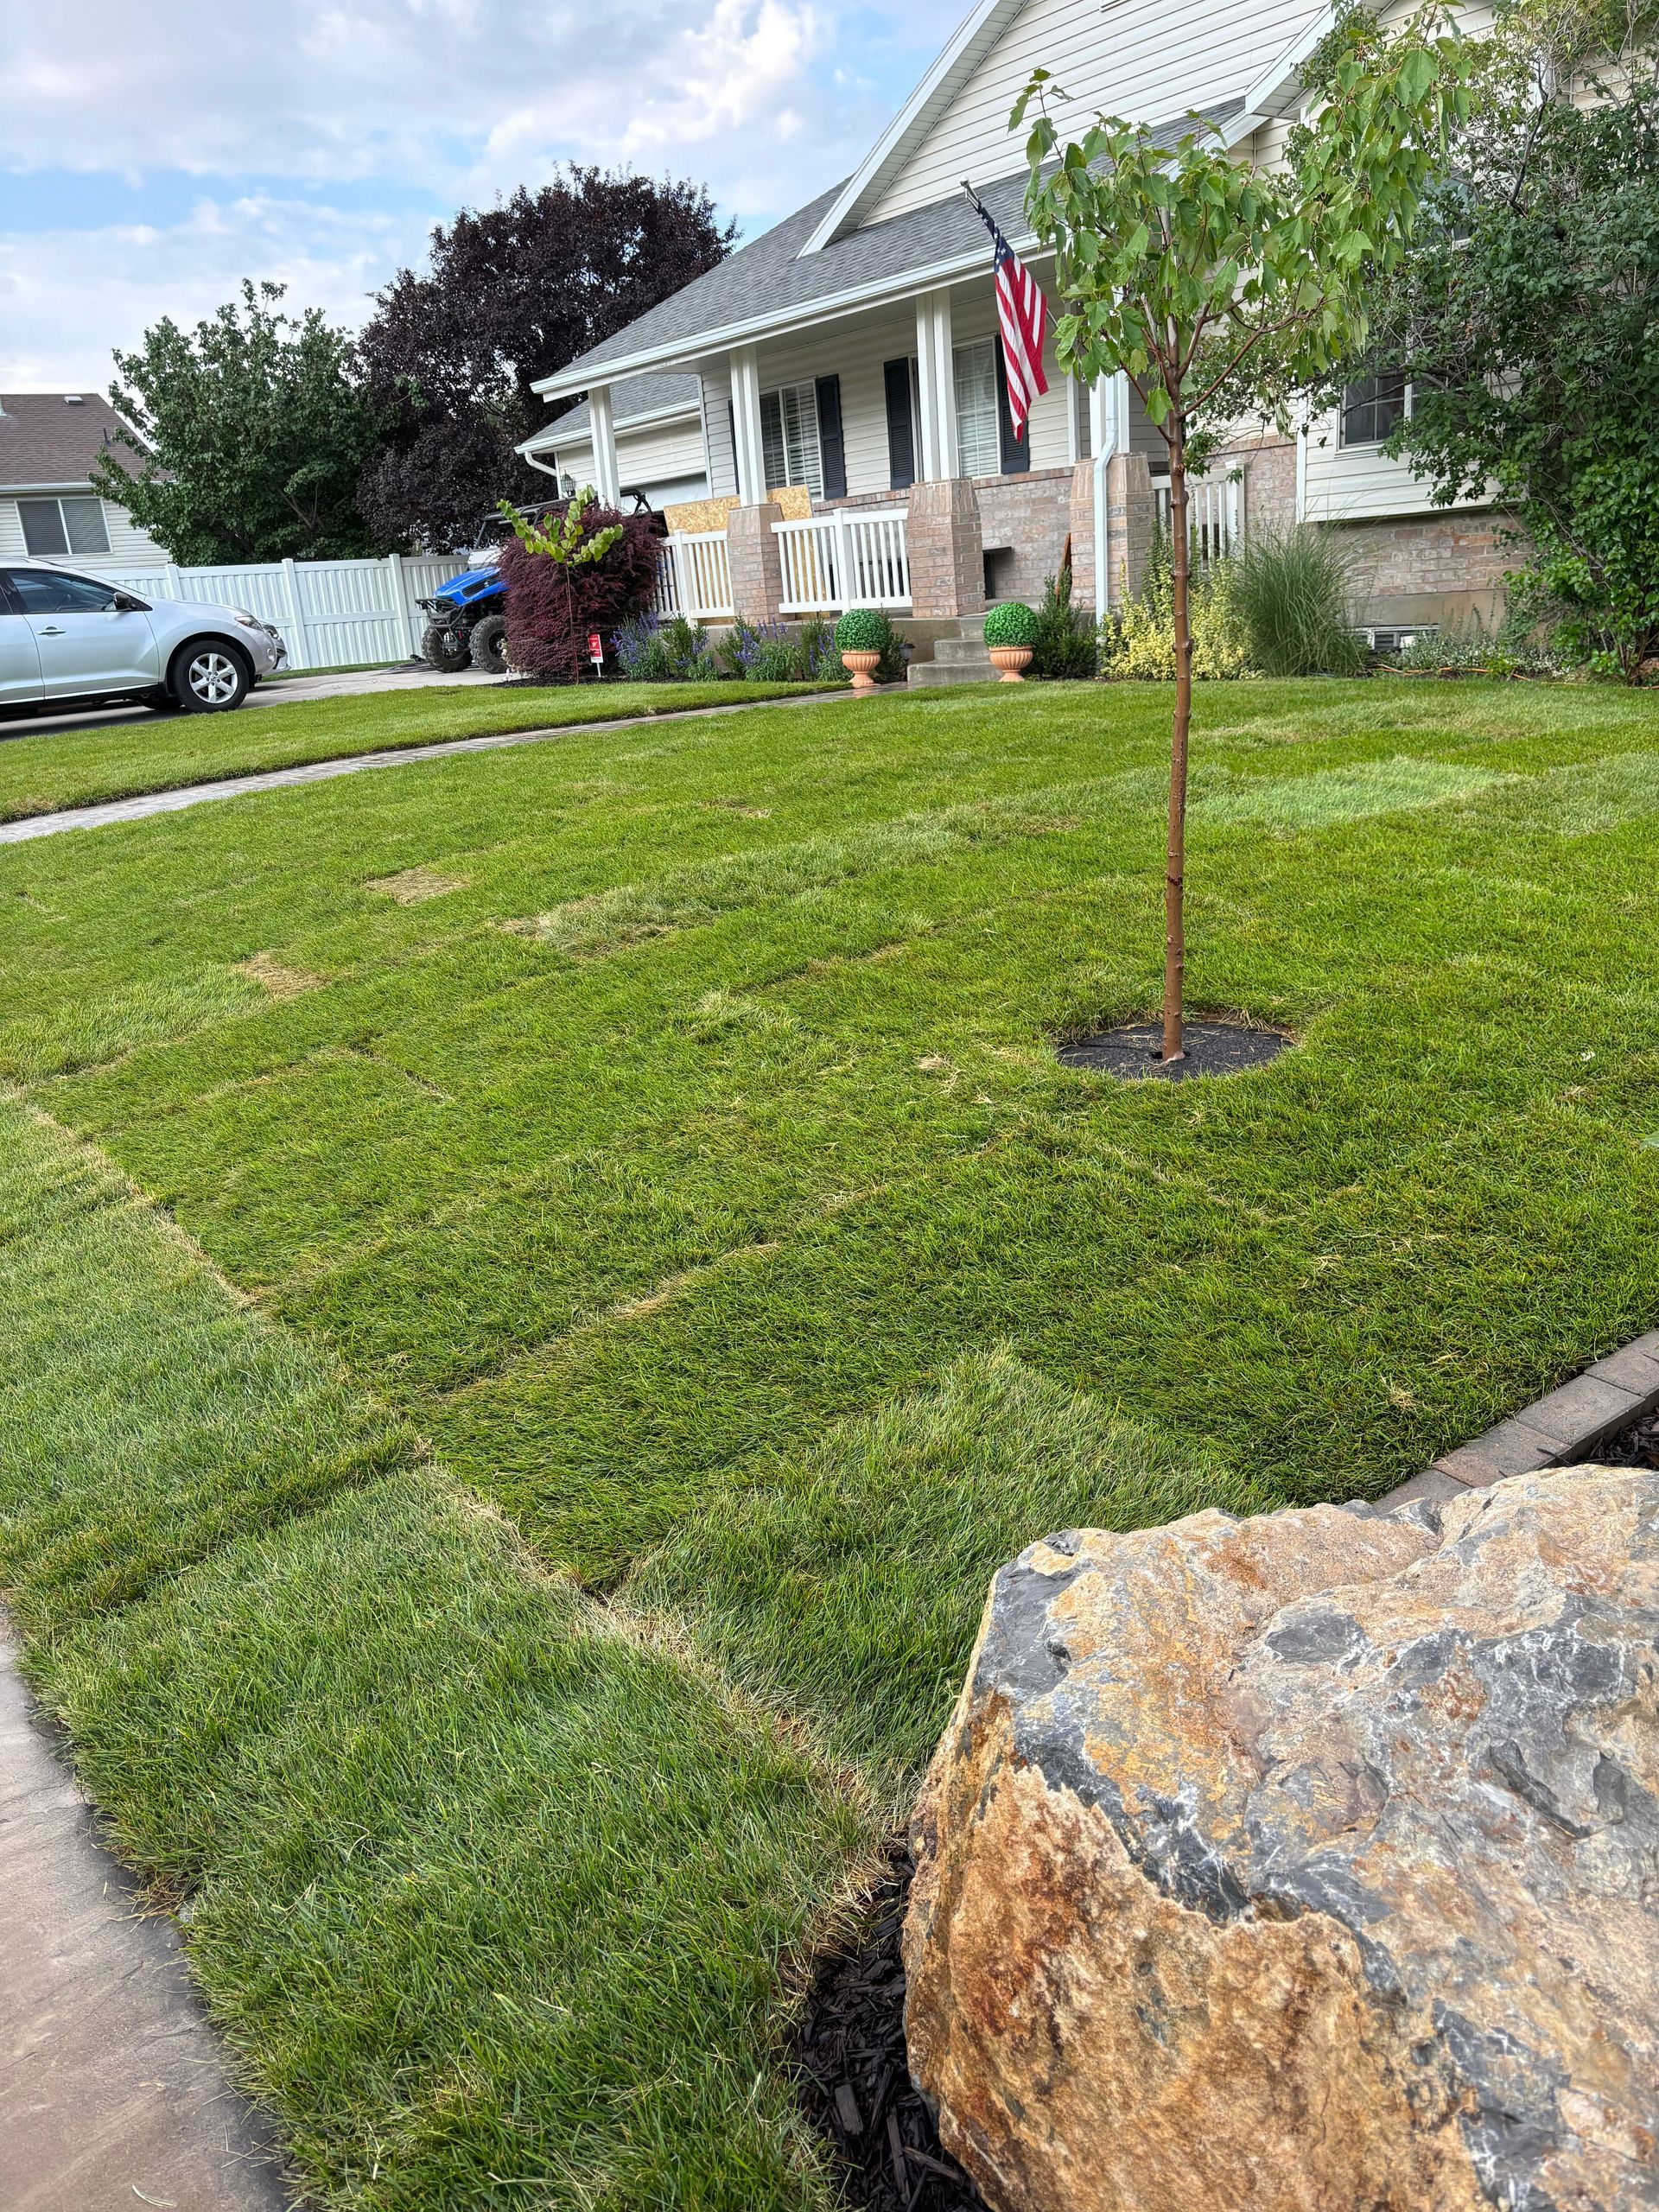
(249, 621)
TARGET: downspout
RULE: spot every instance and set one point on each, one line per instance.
(1106, 444)
(541, 465)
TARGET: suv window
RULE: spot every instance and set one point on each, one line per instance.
(43, 591)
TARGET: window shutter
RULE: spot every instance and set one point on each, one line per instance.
(1016, 452)
(901, 426)
(832, 446)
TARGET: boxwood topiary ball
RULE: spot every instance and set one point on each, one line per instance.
(1011, 623)
(863, 629)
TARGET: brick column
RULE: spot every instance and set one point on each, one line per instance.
(757, 565)
(946, 550)
(1128, 526)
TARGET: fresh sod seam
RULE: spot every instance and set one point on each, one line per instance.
(42, 773)
(488, 1894)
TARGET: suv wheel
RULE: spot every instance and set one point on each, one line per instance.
(489, 645)
(209, 677)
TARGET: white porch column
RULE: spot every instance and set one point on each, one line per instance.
(936, 380)
(607, 482)
(749, 449)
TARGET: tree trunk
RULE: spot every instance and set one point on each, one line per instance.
(1175, 861)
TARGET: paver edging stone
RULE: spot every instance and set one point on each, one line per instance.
(1561, 1429)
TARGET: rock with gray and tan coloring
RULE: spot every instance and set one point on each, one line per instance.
(1305, 1863)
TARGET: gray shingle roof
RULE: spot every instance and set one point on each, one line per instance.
(631, 398)
(772, 276)
(43, 440)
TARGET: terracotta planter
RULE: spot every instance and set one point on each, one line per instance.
(861, 668)
(1011, 659)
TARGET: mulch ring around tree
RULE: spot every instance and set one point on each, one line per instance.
(854, 2080)
(1134, 1053)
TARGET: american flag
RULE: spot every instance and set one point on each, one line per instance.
(1023, 314)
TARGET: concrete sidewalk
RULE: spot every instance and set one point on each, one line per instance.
(321, 772)
(113, 2090)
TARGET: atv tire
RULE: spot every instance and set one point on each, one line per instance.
(444, 649)
(489, 645)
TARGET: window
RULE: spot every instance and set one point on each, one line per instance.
(63, 526)
(789, 438)
(979, 445)
(44, 591)
(1373, 407)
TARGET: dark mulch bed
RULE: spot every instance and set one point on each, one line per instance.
(1635, 1446)
(1212, 1048)
(855, 2082)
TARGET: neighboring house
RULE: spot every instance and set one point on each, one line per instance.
(657, 425)
(851, 350)
(49, 442)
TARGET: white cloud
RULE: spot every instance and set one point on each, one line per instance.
(767, 101)
(68, 298)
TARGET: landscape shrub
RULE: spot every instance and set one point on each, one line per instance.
(863, 629)
(1067, 644)
(1013, 623)
(1292, 590)
(1139, 644)
(554, 606)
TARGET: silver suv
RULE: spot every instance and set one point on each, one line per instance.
(68, 639)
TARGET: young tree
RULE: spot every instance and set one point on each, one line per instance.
(513, 292)
(1538, 259)
(256, 434)
(1220, 289)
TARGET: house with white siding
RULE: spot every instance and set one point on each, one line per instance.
(840, 383)
(48, 509)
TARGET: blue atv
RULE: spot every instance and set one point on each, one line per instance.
(467, 617)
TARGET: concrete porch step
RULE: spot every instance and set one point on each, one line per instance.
(927, 675)
(961, 659)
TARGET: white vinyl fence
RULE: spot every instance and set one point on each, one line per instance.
(330, 613)
(1215, 515)
(850, 557)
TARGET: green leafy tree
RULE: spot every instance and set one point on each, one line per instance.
(1222, 288)
(1537, 261)
(256, 433)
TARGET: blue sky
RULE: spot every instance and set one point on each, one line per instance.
(150, 158)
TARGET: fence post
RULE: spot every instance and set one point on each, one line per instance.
(299, 646)
(175, 581)
(405, 610)
(840, 584)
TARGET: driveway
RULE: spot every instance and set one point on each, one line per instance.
(276, 691)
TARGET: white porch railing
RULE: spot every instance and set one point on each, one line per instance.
(1215, 515)
(852, 556)
(693, 577)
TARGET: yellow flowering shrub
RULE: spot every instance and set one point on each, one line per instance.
(1139, 644)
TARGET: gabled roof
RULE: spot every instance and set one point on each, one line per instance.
(635, 402)
(49, 440)
(775, 283)
(972, 40)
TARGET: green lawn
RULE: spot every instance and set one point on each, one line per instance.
(43, 770)
(505, 1535)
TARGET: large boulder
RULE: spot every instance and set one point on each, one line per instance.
(1309, 1861)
